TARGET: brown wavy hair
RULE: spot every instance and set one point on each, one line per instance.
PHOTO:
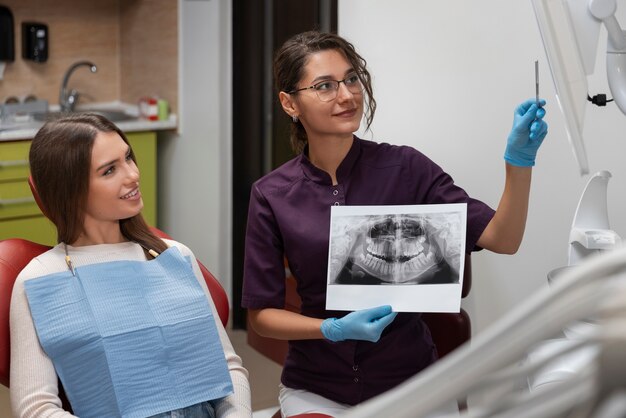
(60, 162)
(289, 63)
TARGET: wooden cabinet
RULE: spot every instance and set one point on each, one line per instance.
(19, 215)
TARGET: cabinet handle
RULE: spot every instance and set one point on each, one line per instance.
(13, 163)
(16, 201)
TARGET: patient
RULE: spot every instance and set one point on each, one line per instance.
(123, 318)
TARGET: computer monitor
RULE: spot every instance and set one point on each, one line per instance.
(570, 37)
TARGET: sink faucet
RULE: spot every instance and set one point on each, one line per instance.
(67, 100)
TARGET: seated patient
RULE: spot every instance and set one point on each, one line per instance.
(123, 318)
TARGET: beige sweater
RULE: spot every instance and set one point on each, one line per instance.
(34, 391)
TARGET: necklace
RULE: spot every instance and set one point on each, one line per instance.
(70, 265)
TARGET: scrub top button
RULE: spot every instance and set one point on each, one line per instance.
(335, 192)
(336, 203)
(355, 367)
(356, 380)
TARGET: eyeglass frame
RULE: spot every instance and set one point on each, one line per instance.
(313, 87)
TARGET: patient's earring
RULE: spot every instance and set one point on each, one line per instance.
(294, 118)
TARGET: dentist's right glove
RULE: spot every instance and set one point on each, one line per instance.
(367, 324)
(529, 130)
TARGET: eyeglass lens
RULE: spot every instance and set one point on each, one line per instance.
(327, 90)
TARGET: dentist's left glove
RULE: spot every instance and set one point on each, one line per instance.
(367, 325)
(529, 130)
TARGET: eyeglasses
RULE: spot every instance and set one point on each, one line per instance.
(327, 90)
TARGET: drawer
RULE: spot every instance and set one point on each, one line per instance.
(37, 229)
(15, 196)
(16, 200)
(14, 160)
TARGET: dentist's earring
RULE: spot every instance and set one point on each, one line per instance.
(294, 118)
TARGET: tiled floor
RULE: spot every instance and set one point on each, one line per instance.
(264, 373)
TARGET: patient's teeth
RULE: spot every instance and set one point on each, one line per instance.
(397, 249)
(373, 249)
(404, 248)
(372, 263)
(389, 251)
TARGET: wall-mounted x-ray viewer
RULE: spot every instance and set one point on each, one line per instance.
(570, 30)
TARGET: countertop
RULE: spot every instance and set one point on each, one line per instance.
(29, 129)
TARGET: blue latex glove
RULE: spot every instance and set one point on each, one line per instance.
(529, 130)
(367, 324)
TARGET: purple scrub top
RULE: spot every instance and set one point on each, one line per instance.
(289, 215)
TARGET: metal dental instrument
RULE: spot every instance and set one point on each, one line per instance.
(537, 82)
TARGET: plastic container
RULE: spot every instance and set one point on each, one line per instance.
(148, 108)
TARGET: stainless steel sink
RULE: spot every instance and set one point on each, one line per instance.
(112, 115)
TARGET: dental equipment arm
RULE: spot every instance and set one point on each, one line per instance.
(604, 10)
(579, 293)
(570, 31)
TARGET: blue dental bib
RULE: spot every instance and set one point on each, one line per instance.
(130, 339)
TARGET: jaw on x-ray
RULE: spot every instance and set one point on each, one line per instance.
(397, 249)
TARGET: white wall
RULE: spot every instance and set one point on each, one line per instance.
(447, 76)
(194, 166)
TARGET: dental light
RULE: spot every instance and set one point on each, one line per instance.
(570, 31)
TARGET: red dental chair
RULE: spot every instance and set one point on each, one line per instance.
(16, 253)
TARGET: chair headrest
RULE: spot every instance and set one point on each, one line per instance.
(15, 254)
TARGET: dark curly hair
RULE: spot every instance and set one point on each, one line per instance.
(289, 63)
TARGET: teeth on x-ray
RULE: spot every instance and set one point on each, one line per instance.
(397, 250)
